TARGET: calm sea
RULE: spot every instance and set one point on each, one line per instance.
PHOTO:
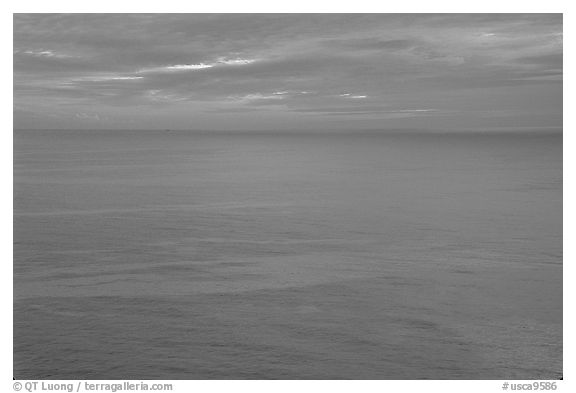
(180, 255)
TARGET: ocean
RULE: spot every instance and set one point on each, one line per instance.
(287, 255)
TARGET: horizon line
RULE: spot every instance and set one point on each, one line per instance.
(383, 130)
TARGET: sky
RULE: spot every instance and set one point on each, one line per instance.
(287, 71)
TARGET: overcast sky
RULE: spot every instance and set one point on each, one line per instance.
(266, 72)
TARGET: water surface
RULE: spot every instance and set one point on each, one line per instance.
(155, 255)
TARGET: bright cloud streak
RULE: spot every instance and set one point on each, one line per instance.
(184, 67)
(225, 61)
(200, 66)
(107, 78)
(42, 53)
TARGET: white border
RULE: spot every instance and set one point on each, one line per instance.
(294, 6)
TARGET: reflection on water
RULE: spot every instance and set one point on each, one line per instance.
(145, 255)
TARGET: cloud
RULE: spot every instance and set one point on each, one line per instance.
(367, 110)
(372, 44)
(551, 60)
(222, 61)
(225, 61)
(258, 96)
(182, 65)
(42, 53)
(103, 78)
(186, 67)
